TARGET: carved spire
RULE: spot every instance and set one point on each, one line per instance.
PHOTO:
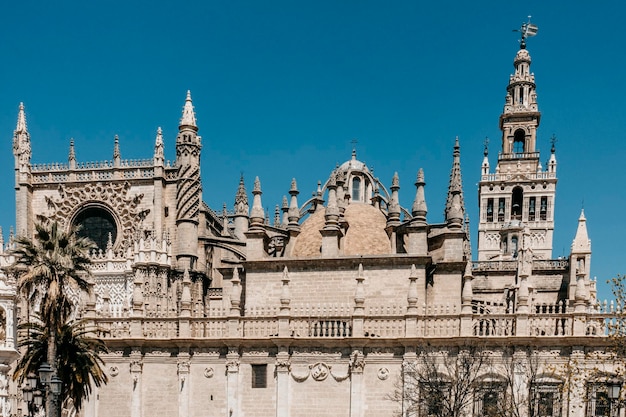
(241, 199)
(581, 243)
(394, 204)
(235, 295)
(21, 141)
(159, 154)
(285, 210)
(455, 207)
(293, 215)
(242, 209)
(485, 166)
(257, 215)
(189, 116)
(116, 152)
(71, 158)
(419, 208)
(332, 210)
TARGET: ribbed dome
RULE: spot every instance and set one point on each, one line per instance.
(365, 236)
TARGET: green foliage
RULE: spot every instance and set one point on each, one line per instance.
(51, 262)
(50, 266)
(79, 363)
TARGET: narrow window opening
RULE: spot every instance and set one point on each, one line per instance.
(543, 208)
(259, 376)
(532, 203)
(519, 141)
(501, 209)
(516, 203)
(356, 189)
(490, 209)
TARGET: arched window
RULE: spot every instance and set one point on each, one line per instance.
(516, 203)
(356, 189)
(519, 141)
(96, 223)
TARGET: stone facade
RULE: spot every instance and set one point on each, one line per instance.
(317, 312)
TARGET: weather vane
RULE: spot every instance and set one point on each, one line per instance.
(527, 30)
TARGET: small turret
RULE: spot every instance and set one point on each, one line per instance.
(189, 187)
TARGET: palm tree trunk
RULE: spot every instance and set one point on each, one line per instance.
(52, 402)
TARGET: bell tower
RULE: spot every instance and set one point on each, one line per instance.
(518, 198)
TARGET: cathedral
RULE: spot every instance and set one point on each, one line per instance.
(321, 309)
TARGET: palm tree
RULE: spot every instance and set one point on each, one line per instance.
(79, 363)
(49, 265)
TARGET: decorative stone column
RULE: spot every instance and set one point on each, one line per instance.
(359, 310)
(232, 382)
(136, 367)
(282, 382)
(183, 382)
(285, 308)
(357, 397)
(410, 318)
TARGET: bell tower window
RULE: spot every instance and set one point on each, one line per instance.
(519, 141)
(501, 209)
(516, 203)
(532, 203)
(543, 209)
(490, 209)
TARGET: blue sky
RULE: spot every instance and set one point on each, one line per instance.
(281, 88)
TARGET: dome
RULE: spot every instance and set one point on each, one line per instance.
(365, 235)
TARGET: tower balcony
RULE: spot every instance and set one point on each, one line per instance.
(517, 155)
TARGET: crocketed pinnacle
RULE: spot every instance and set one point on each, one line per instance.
(241, 199)
(455, 207)
(21, 120)
(189, 116)
(71, 158)
(257, 215)
(116, 148)
(419, 208)
(581, 243)
(21, 138)
(394, 204)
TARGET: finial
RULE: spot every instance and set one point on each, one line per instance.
(553, 141)
(189, 116)
(72, 155)
(116, 148)
(486, 143)
(241, 199)
(527, 30)
(21, 120)
(354, 142)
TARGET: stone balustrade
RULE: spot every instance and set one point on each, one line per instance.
(217, 325)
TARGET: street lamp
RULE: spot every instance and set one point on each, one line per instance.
(45, 373)
(614, 387)
(32, 395)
